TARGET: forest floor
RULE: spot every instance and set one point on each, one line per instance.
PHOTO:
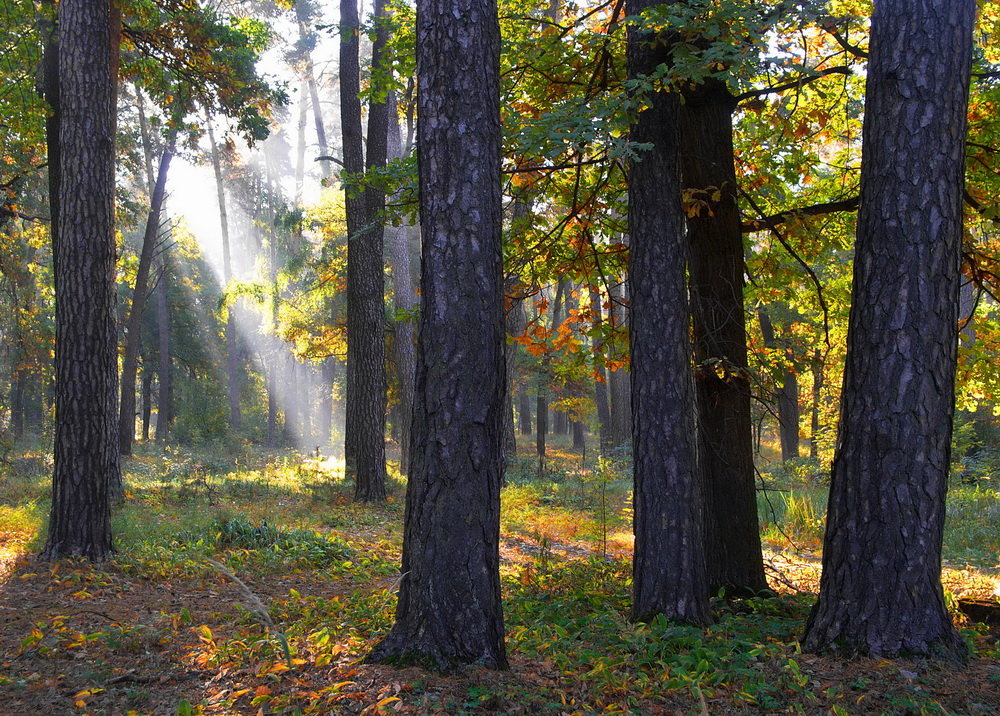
(254, 585)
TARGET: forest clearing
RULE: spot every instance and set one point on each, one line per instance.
(166, 628)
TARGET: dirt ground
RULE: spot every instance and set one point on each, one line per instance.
(148, 653)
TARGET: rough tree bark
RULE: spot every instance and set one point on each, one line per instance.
(86, 364)
(669, 565)
(880, 593)
(364, 446)
(449, 599)
(725, 444)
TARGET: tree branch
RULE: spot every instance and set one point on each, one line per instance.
(830, 207)
(796, 83)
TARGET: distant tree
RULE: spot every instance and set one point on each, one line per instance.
(86, 438)
(881, 591)
(449, 608)
(669, 575)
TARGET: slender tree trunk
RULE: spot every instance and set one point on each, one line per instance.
(18, 383)
(619, 379)
(817, 403)
(86, 363)
(133, 333)
(725, 447)
(669, 575)
(600, 375)
(404, 301)
(880, 592)
(364, 447)
(147, 402)
(786, 396)
(524, 412)
(449, 609)
(233, 378)
(164, 397)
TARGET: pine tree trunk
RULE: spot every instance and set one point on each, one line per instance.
(449, 609)
(524, 412)
(669, 576)
(133, 333)
(233, 377)
(146, 410)
(86, 363)
(817, 403)
(600, 379)
(786, 395)
(364, 447)
(880, 592)
(404, 301)
(619, 379)
(164, 397)
(725, 447)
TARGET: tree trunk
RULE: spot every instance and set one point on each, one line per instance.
(786, 395)
(233, 378)
(449, 609)
(133, 333)
(669, 576)
(619, 380)
(405, 303)
(817, 403)
(18, 383)
(880, 593)
(600, 375)
(364, 447)
(725, 447)
(164, 396)
(147, 402)
(86, 363)
(524, 412)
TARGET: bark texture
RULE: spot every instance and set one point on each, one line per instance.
(364, 432)
(880, 592)
(669, 564)
(449, 600)
(725, 444)
(86, 364)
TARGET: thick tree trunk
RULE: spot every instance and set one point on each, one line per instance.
(449, 609)
(880, 593)
(725, 447)
(364, 447)
(86, 363)
(669, 576)
(133, 332)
